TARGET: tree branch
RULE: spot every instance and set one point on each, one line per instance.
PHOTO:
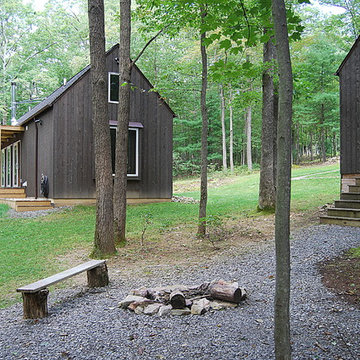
(147, 44)
(246, 18)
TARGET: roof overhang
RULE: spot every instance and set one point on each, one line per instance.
(347, 56)
(8, 133)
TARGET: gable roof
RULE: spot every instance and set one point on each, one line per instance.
(51, 99)
(347, 56)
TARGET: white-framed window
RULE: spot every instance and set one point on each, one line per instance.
(15, 164)
(133, 151)
(3, 167)
(10, 165)
(113, 88)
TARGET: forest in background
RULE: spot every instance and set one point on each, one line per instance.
(41, 48)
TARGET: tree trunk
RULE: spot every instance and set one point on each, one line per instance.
(177, 300)
(267, 181)
(282, 214)
(104, 233)
(226, 291)
(231, 133)
(276, 116)
(223, 131)
(120, 183)
(204, 134)
(248, 137)
(322, 134)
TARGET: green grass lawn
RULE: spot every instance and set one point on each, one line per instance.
(30, 247)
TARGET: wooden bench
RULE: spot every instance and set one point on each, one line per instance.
(35, 295)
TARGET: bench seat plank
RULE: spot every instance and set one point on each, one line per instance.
(42, 284)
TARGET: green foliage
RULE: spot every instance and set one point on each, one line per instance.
(355, 252)
(146, 219)
(3, 210)
(215, 228)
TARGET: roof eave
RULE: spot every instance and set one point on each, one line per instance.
(347, 56)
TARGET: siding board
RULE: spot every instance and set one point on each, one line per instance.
(68, 141)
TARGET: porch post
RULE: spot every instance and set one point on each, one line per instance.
(36, 157)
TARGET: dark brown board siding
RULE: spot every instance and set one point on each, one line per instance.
(73, 157)
(28, 149)
(350, 114)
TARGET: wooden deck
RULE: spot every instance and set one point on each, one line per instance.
(17, 200)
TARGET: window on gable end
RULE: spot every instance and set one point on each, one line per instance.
(133, 151)
(113, 88)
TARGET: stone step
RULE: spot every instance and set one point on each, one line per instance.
(350, 196)
(341, 212)
(337, 220)
(349, 204)
(354, 188)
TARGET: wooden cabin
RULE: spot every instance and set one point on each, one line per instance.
(55, 139)
(349, 76)
(346, 211)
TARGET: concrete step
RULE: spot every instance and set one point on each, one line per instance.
(346, 213)
(337, 220)
(350, 196)
(354, 188)
(349, 204)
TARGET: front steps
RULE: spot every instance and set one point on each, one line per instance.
(12, 193)
(17, 200)
(346, 211)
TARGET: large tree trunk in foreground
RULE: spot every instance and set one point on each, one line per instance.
(204, 134)
(282, 214)
(104, 234)
(120, 183)
(267, 179)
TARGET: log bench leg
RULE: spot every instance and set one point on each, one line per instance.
(98, 276)
(35, 304)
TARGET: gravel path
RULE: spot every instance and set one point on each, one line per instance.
(87, 324)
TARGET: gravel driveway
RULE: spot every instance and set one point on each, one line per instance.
(88, 325)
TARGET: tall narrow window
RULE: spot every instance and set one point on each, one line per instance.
(133, 151)
(3, 167)
(113, 91)
(8, 167)
(15, 165)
